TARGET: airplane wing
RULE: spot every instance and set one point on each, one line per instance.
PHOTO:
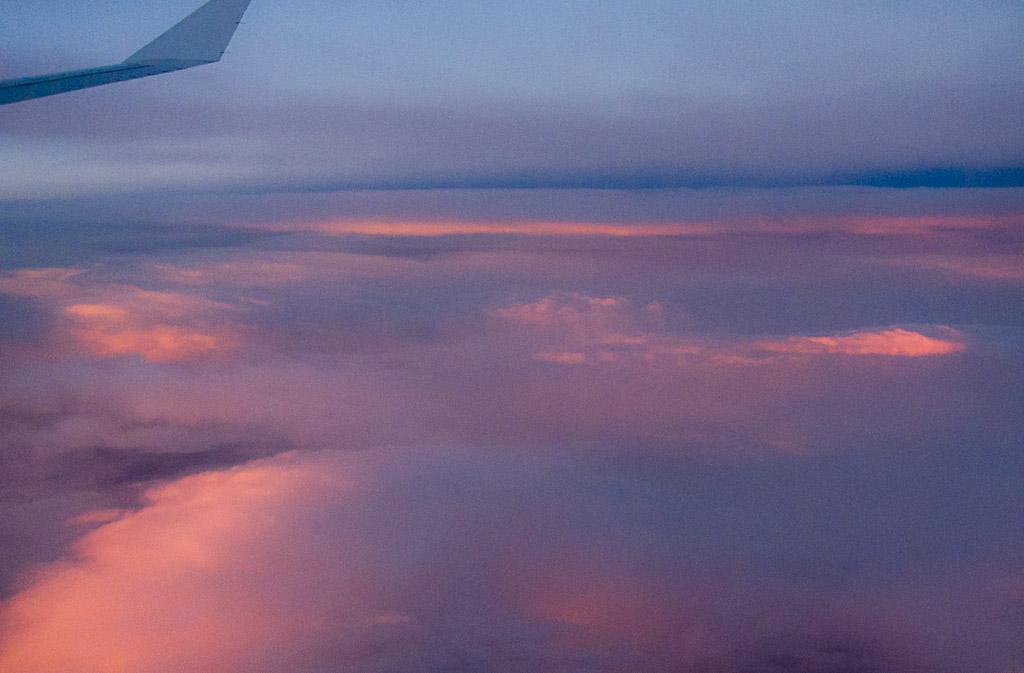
(198, 39)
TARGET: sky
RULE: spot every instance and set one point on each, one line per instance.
(545, 337)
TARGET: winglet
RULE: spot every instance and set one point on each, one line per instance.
(199, 38)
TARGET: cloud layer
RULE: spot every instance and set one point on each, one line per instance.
(321, 562)
(587, 95)
(729, 449)
(542, 337)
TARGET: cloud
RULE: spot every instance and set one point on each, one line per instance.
(610, 330)
(103, 614)
(394, 228)
(39, 283)
(114, 319)
(250, 271)
(428, 560)
(429, 341)
(25, 321)
(159, 344)
(751, 97)
(894, 342)
(648, 141)
(562, 357)
(581, 316)
(689, 179)
(997, 266)
(868, 224)
(717, 425)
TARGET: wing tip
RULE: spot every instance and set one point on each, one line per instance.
(201, 37)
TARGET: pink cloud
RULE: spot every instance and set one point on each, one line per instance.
(110, 331)
(459, 227)
(114, 319)
(562, 358)
(159, 344)
(398, 560)
(859, 224)
(569, 327)
(89, 311)
(578, 329)
(185, 583)
(567, 311)
(894, 342)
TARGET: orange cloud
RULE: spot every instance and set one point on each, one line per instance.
(578, 329)
(159, 344)
(581, 318)
(96, 311)
(453, 228)
(894, 342)
(184, 584)
(109, 331)
(562, 358)
(110, 320)
(569, 309)
(867, 225)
